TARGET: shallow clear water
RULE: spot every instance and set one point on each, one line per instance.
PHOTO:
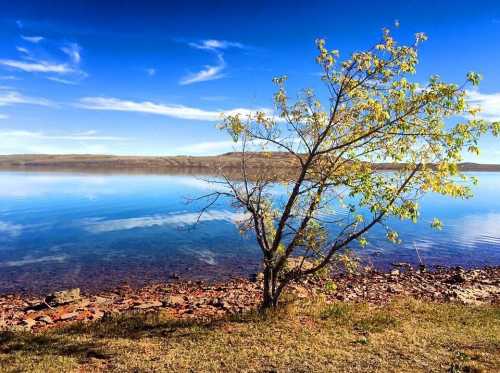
(97, 231)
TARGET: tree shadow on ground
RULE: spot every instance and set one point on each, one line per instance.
(55, 344)
(157, 324)
(84, 341)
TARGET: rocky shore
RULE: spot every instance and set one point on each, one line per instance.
(200, 300)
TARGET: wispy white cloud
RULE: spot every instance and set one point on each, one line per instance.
(206, 148)
(3, 116)
(210, 72)
(9, 77)
(89, 132)
(32, 39)
(220, 147)
(174, 111)
(214, 98)
(23, 50)
(31, 62)
(151, 71)
(33, 142)
(38, 66)
(19, 24)
(79, 136)
(62, 81)
(489, 103)
(14, 145)
(8, 98)
(73, 51)
(212, 44)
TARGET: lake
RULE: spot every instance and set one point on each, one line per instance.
(96, 231)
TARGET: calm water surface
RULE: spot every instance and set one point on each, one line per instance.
(97, 231)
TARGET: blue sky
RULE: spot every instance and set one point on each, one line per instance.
(151, 77)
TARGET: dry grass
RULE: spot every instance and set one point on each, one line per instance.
(405, 336)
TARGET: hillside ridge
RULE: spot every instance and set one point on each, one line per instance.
(208, 163)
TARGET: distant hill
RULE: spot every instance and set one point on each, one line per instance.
(111, 162)
(208, 164)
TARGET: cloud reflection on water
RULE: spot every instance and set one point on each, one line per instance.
(10, 229)
(30, 260)
(99, 225)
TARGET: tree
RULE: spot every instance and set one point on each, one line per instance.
(373, 113)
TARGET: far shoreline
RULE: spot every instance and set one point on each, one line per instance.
(276, 162)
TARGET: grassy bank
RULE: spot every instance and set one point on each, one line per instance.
(406, 335)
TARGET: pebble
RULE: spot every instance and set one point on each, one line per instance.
(395, 272)
(45, 319)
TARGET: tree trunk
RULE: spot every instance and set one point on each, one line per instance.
(270, 294)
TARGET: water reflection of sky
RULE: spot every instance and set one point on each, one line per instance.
(61, 228)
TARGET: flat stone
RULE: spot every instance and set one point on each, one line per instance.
(401, 264)
(175, 300)
(221, 303)
(457, 278)
(69, 316)
(395, 289)
(28, 323)
(97, 315)
(82, 305)
(63, 297)
(144, 306)
(102, 300)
